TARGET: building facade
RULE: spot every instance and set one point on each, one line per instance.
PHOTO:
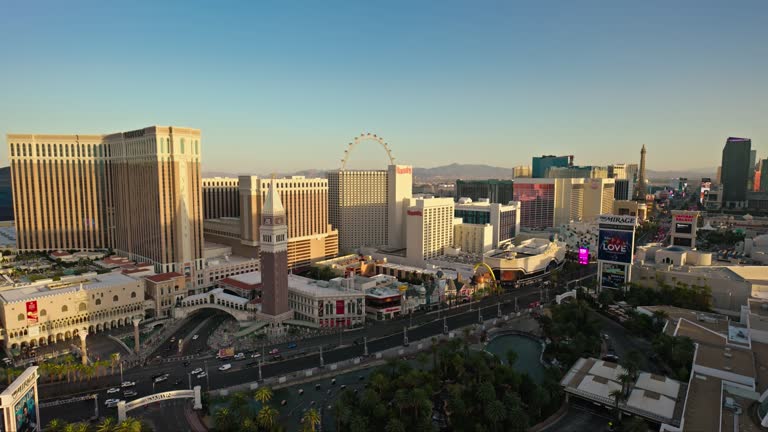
(598, 197)
(541, 164)
(326, 304)
(357, 207)
(578, 172)
(496, 191)
(503, 218)
(735, 171)
(50, 311)
(549, 203)
(221, 197)
(429, 227)
(399, 189)
(165, 290)
(82, 192)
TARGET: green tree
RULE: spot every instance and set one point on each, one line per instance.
(224, 419)
(495, 413)
(263, 395)
(55, 425)
(267, 417)
(107, 425)
(394, 425)
(310, 420)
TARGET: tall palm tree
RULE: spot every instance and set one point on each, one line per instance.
(310, 420)
(626, 380)
(55, 425)
(130, 425)
(223, 419)
(495, 413)
(263, 395)
(108, 425)
(267, 417)
(248, 425)
(617, 396)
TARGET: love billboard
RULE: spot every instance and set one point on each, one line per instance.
(615, 245)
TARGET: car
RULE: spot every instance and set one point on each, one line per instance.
(239, 356)
(113, 390)
(225, 367)
(186, 363)
(277, 357)
(292, 345)
(111, 403)
(127, 384)
(161, 379)
(130, 393)
(611, 358)
(173, 339)
(196, 371)
(255, 355)
(274, 351)
(202, 375)
(195, 337)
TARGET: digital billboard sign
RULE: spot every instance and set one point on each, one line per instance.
(613, 276)
(32, 312)
(26, 412)
(583, 256)
(683, 228)
(615, 245)
(682, 241)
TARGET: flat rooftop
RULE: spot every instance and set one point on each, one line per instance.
(90, 281)
(318, 288)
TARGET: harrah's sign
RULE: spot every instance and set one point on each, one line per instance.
(404, 170)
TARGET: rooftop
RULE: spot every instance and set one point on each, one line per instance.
(164, 277)
(67, 284)
(245, 281)
(318, 288)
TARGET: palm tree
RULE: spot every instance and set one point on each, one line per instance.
(310, 420)
(238, 403)
(617, 396)
(263, 395)
(626, 380)
(130, 425)
(394, 425)
(267, 417)
(114, 358)
(495, 413)
(248, 425)
(55, 425)
(108, 425)
(224, 419)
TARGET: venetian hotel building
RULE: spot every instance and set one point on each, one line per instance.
(137, 192)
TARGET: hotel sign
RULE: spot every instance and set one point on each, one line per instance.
(404, 170)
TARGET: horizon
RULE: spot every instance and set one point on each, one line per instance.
(276, 87)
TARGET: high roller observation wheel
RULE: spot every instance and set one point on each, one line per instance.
(366, 137)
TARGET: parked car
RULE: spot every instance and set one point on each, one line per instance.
(197, 371)
(225, 367)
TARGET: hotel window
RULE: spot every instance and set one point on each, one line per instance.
(115, 299)
(197, 148)
(182, 145)
(21, 317)
(64, 308)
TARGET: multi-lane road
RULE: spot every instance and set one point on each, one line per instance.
(381, 336)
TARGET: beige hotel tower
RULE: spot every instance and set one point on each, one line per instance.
(138, 192)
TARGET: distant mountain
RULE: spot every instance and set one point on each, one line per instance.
(6, 197)
(690, 174)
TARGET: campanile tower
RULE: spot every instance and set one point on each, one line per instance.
(274, 255)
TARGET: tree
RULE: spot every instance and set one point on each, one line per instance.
(310, 420)
(618, 397)
(224, 419)
(495, 413)
(267, 417)
(263, 395)
(55, 425)
(108, 425)
(394, 425)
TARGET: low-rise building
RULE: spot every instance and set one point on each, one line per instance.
(529, 258)
(49, 311)
(326, 304)
(247, 285)
(165, 290)
(630, 208)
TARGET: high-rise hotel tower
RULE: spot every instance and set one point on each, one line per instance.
(137, 192)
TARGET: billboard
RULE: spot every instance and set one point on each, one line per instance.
(682, 241)
(226, 352)
(583, 256)
(32, 312)
(26, 412)
(683, 228)
(615, 245)
(613, 276)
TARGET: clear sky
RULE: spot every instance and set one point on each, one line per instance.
(284, 85)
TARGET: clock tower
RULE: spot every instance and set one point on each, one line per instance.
(273, 244)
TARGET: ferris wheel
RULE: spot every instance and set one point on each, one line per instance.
(366, 137)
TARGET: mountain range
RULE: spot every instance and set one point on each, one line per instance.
(480, 171)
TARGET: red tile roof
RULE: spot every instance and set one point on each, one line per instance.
(240, 285)
(162, 277)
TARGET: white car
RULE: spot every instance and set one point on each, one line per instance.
(202, 375)
(130, 393)
(127, 384)
(256, 355)
(110, 403)
(195, 337)
(161, 378)
(225, 367)
(113, 390)
(196, 371)
(239, 356)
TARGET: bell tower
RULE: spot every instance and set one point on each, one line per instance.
(273, 244)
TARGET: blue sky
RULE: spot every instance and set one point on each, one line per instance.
(284, 85)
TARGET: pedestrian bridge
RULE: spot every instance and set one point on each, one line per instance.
(236, 306)
(123, 407)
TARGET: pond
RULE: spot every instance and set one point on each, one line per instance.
(528, 353)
